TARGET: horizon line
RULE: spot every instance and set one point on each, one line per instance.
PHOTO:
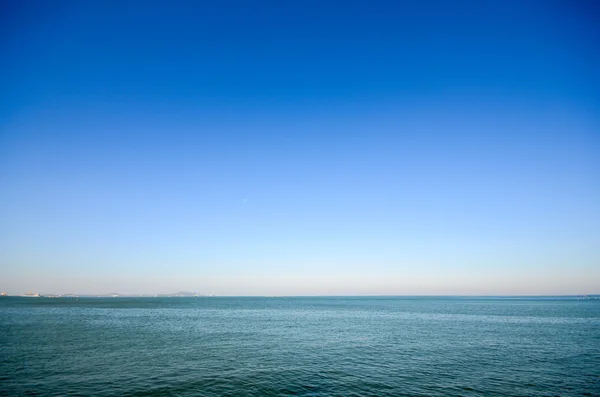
(198, 295)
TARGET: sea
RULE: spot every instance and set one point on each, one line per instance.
(300, 346)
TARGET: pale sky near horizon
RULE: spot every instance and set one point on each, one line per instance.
(300, 148)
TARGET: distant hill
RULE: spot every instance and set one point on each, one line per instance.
(181, 293)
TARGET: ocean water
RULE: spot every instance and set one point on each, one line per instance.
(379, 346)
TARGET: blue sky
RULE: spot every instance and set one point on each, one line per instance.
(285, 148)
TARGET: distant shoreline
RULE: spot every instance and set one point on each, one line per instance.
(115, 296)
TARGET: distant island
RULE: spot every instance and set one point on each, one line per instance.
(186, 294)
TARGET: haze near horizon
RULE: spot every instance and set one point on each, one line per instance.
(281, 148)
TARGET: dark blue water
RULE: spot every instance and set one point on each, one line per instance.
(299, 346)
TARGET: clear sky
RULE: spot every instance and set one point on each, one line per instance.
(300, 147)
